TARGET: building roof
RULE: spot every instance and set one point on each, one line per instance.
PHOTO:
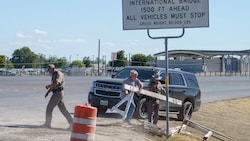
(202, 53)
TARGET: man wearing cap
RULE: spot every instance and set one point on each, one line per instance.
(133, 81)
(153, 103)
(56, 86)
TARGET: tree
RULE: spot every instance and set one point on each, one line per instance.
(61, 62)
(77, 63)
(42, 61)
(121, 60)
(9, 65)
(86, 61)
(58, 62)
(52, 60)
(139, 60)
(150, 58)
(2, 61)
(24, 57)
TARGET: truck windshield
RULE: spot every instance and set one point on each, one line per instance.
(144, 75)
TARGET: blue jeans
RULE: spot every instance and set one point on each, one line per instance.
(131, 111)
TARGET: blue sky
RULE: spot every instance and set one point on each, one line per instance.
(72, 29)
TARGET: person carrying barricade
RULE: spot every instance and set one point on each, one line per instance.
(153, 103)
(132, 80)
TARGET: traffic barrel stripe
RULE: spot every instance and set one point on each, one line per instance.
(84, 123)
(81, 137)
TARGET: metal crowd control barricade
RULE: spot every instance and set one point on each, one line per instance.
(130, 96)
(209, 132)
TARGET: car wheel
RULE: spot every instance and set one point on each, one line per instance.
(141, 109)
(184, 111)
(101, 110)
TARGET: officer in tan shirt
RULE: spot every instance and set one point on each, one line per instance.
(153, 103)
(56, 87)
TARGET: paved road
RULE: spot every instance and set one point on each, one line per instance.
(27, 93)
(16, 92)
(224, 88)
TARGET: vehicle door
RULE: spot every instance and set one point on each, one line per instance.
(177, 89)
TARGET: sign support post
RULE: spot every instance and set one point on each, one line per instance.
(168, 134)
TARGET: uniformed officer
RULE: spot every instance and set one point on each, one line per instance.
(56, 86)
(153, 103)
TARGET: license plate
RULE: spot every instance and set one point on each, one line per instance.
(104, 102)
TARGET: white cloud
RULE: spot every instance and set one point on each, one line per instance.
(133, 42)
(40, 32)
(72, 40)
(44, 41)
(21, 35)
(23, 43)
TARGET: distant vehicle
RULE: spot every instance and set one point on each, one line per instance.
(7, 73)
(104, 93)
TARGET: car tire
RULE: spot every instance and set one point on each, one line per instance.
(184, 110)
(101, 110)
(141, 109)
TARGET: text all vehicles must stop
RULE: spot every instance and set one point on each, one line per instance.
(145, 15)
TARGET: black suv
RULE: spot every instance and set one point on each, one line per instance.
(183, 85)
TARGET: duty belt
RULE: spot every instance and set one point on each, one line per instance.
(57, 89)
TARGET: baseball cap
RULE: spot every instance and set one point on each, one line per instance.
(51, 66)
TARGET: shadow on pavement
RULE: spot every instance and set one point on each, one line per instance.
(109, 115)
(32, 127)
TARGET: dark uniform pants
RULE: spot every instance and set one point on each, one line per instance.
(57, 99)
(153, 109)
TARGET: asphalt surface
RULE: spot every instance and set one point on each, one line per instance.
(223, 88)
(22, 103)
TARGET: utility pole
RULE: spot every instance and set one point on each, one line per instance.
(93, 69)
(98, 60)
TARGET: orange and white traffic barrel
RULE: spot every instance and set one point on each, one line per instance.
(84, 123)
